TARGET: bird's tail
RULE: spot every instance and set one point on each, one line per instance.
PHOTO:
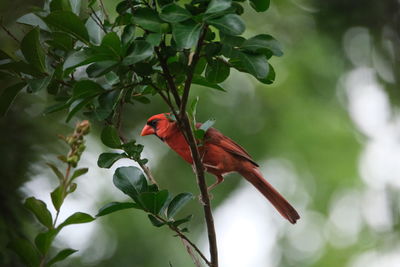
(276, 199)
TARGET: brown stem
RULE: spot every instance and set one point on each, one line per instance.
(183, 236)
(168, 76)
(191, 70)
(7, 31)
(97, 20)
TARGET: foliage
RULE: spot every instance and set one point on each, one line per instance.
(94, 63)
(37, 254)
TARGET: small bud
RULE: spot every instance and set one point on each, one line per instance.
(83, 127)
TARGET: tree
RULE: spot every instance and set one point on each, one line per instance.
(151, 48)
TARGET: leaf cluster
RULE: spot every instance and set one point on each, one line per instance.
(36, 254)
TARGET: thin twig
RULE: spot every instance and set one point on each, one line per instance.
(7, 31)
(168, 76)
(97, 20)
(191, 70)
(104, 10)
(183, 236)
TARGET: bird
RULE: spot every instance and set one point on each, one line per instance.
(220, 156)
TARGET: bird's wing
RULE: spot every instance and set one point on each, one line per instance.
(215, 137)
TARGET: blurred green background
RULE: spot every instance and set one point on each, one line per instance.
(326, 134)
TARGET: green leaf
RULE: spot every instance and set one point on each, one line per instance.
(181, 221)
(76, 218)
(39, 209)
(36, 85)
(116, 206)
(57, 197)
(133, 150)
(128, 35)
(7, 97)
(56, 171)
(177, 203)
(200, 80)
(85, 57)
(260, 5)
(147, 19)
(43, 240)
(230, 24)
(112, 42)
(110, 137)
(217, 71)
(201, 131)
(270, 77)
(33, 51)
(33, 20)
(186, 34)
(131, 181)
(61, 41)
(60, 5)
(98, 69)
(216, 6)
(263, 43)
(174, 13)
(70, 23)
(86, 88)
(61, 255)
(106, 160)
(141, 51)
(79, 172)
(78, 105)
(155, 221)
(154, 202)
(256, 65)
(193, 107)
(26, 251)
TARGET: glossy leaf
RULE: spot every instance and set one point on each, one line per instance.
(36, 85)
(257, 65)
(106, 160)
(177, 203)
(186, 35)
(43, 240)
(216, 6)
(79, 172)
(155, 221)
(61, 255)
(98, 69)
(217, 71)
(260, 5)
(56, 171)
(230, 24)
(141, 51)
(181, 221)
(116, 206)
(263, 43)
(39, 209)
(154, 202)
(8, 95)
(70, 23)
(26, 251)
(77, 105)
(60, 5)
(200, 80)
(33, 50)
(76, 218)
(86, 88)
(110, 137)
(174, 13)
(33, 20)
(57, 197)
(112, 42)
(131, 181)
(147, 19)
(84, 57)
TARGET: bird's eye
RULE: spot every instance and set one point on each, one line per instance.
(152, 123)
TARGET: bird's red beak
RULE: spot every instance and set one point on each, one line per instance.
(147, 130)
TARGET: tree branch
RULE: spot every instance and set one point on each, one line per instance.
(183, 236)
(192, 67)
(168, 76)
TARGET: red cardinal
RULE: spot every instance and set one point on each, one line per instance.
(221, 155)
